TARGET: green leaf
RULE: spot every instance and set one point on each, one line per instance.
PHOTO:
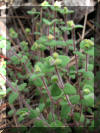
(13, 33)
(22, 111)
(39, 123)
(24, 59)
(56, 91)
(65, 60)
(8, 90)
(15, 60)
(36, 75)
(65, 110)
(38, 82)
(88, 100)
(11, 112)
(50, 118)
(46, 21)
(46, 66)
(12, 97)
(49, 22)
(90, 51)
(41, 106)
(33, 12)
(22, 86)
(90, 67)
(64, 28)
(34, 113)
(78, 26)
(66, 11)
(82, 118)
(57, 123)
(88, 75)
(79, 117)
(76, 116)
(24, 46)
(78, 53)
(69, 89)
(75, 99)
(87, 86)
(69, 42)
(21, 118)
(54, 43)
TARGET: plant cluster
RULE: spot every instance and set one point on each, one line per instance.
(48, 89)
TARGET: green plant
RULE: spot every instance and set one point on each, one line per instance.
(49, 77)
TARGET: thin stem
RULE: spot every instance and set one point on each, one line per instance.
(65, 35)
(33, 30)
(51, 99)
(86, 15)
(48, 92)
(86, 67)
(55, 26)
(73, 36)
(14, 115)
(74, 46)
(62, 86)
(41, 20)
(23, 30)
(51, 52)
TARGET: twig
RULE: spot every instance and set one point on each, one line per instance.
(85, 20)
(74, 46)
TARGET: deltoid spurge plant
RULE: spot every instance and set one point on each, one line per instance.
(64, 95)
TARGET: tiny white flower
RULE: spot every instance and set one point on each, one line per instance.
(57, 4)
(45, 3)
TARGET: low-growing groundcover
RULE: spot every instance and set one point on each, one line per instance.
(50, 80)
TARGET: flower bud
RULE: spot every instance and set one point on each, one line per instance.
(89, 42)
(45, 3)
(50, 37)
(36, 45)
(86, 91)
(57, 4)
(70, 24)
(65, 9)
(86, 43)
(37, 69)
(27, 30)
(58, 61)
(55, 55)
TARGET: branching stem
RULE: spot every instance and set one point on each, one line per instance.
(62, 86)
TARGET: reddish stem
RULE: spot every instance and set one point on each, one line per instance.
(55, 26)
(74, 46)
(51, 99)
(48, 92)
(65, 35)
(62, 86)
(48, 40)
(14, 68)
(86, 67)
